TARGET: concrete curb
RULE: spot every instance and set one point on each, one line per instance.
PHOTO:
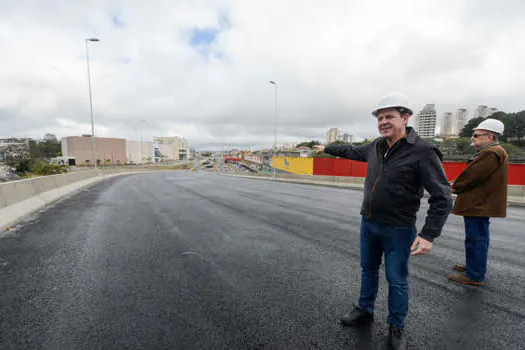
(511, 201)
(351, 186)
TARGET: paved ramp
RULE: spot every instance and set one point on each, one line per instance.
(199, 261)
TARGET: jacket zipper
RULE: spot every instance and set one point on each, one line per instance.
(383, 160)
(373, 189)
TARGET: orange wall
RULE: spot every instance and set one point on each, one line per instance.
(345, 167)
(517, 174)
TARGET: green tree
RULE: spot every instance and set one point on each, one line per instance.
(21, 166)
(505, 119)
(34, 149)
(33, 161)
(50, 138)
(468, 129)
(309, 144)
(50, 147)
(322, 155)
(514, 126)
(459, 146)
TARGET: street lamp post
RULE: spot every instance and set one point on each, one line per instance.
(91, 103)
(141, 144)
(274, 157)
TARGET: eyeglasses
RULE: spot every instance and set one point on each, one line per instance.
(478, 135)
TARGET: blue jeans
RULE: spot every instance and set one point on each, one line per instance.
(395, 243)
(477, 240)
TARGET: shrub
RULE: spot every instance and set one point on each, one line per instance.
(43, 169)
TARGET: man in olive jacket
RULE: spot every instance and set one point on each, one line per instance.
(482, 193)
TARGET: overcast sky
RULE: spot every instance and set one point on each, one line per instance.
(200, 69)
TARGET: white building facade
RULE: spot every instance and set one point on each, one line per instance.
(484, 112)
(139, 152)
(461, 120)
(447, 125)
(425, 121)
(346, 137)
(332, 135)
(171, 149)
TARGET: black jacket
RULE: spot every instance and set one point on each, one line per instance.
(394, 182)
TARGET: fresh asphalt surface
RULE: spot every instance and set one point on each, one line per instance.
(176, 260)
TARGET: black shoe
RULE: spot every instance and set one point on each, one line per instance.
(397, 338)
(357, 317)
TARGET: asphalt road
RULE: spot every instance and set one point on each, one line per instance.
(176, 260)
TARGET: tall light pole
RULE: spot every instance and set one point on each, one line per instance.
(141, 144)
(91, 103)
(222, 141)
(274, 126)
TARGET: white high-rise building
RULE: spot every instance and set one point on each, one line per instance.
(346, 137)
(447, 125)
(460, 120)
(332, 135)
(484, 112)
(425, 121)
(478, 112)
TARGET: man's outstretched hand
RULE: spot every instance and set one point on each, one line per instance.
(319, 148)
(420, 246)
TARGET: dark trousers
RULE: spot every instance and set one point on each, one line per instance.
(395, 243)
(477, 241)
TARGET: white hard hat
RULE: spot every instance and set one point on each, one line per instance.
(392, 100)
(493, 125)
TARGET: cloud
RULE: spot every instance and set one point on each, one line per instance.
(203, 41)
(117, 21)
(200, 69)
(203, 37)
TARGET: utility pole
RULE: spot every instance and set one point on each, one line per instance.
(274, 156)
(91, 103)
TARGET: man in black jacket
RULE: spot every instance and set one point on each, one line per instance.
(400, 166)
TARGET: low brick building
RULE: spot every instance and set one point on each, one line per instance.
(109, 150)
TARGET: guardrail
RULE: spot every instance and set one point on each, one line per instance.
(19, 190)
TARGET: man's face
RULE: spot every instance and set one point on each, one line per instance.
(390, 123)
(480, 139)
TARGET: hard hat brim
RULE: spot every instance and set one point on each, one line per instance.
(376, 111)
(495, 132)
